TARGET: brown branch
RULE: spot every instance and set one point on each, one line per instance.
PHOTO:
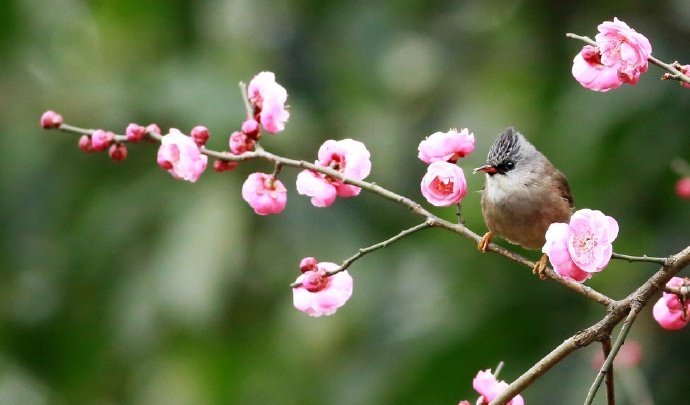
(413, 206)
(617, 311)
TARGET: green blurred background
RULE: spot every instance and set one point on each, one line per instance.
(119, 284)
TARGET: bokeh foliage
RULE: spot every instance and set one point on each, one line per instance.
(121, 285)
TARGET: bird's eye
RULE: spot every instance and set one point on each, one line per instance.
(506, 166)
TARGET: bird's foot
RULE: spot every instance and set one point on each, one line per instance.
(484, 241)
(540, 267)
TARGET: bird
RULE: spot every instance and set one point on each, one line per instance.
(523, 194)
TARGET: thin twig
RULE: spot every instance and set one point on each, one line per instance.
(610, 390)
(361, 252)
(645, 258)
(608, 364)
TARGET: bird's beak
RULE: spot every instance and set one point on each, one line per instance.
(486, 169)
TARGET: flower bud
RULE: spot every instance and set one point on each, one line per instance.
(135, 132)
(101, 140)
(153, 128)
(251, 128)
(314, 281)
(85, 144)
(240, 143)
(224, 165)
(118, 152)
(200, 135)
(51, 119)
(307, 264)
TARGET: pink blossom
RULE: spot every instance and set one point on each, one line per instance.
(348, 157)
(135, 132)
(446, 146)
(268, 98)
(620, 57)
(623, 48)
(101, 140)
(180, 156)
(669, 311)
(444, 184)
(264, 193)
(51, 119)
(200, 135)
(316, 186)
(318, 294)
(489, 388)
(582, 246)
(240, 143)
(591, 73)
(683, 188)
(556, 247)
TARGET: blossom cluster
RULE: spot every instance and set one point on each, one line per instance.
(619, 57)
(444, 183)
(489, 387)
(582, 247)
(671, 310)
(321, 288)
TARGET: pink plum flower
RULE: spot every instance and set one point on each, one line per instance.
(620, 57)
(582, 247)
(446, 146)
(489, 388)
(669, 311)
(51, 119)
(444, 184)
(317, 293)
(268, 99)
(348, 157)
(623, 48)
(180, 156)
(591, 73)
(264, 193)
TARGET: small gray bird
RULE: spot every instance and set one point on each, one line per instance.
(524, 194)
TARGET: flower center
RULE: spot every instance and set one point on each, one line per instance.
(442, 185)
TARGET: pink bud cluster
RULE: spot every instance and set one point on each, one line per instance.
(444, 183)
(488, 387)
(317, 291)
(671, 312)
(620, 57)
(582, 247)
